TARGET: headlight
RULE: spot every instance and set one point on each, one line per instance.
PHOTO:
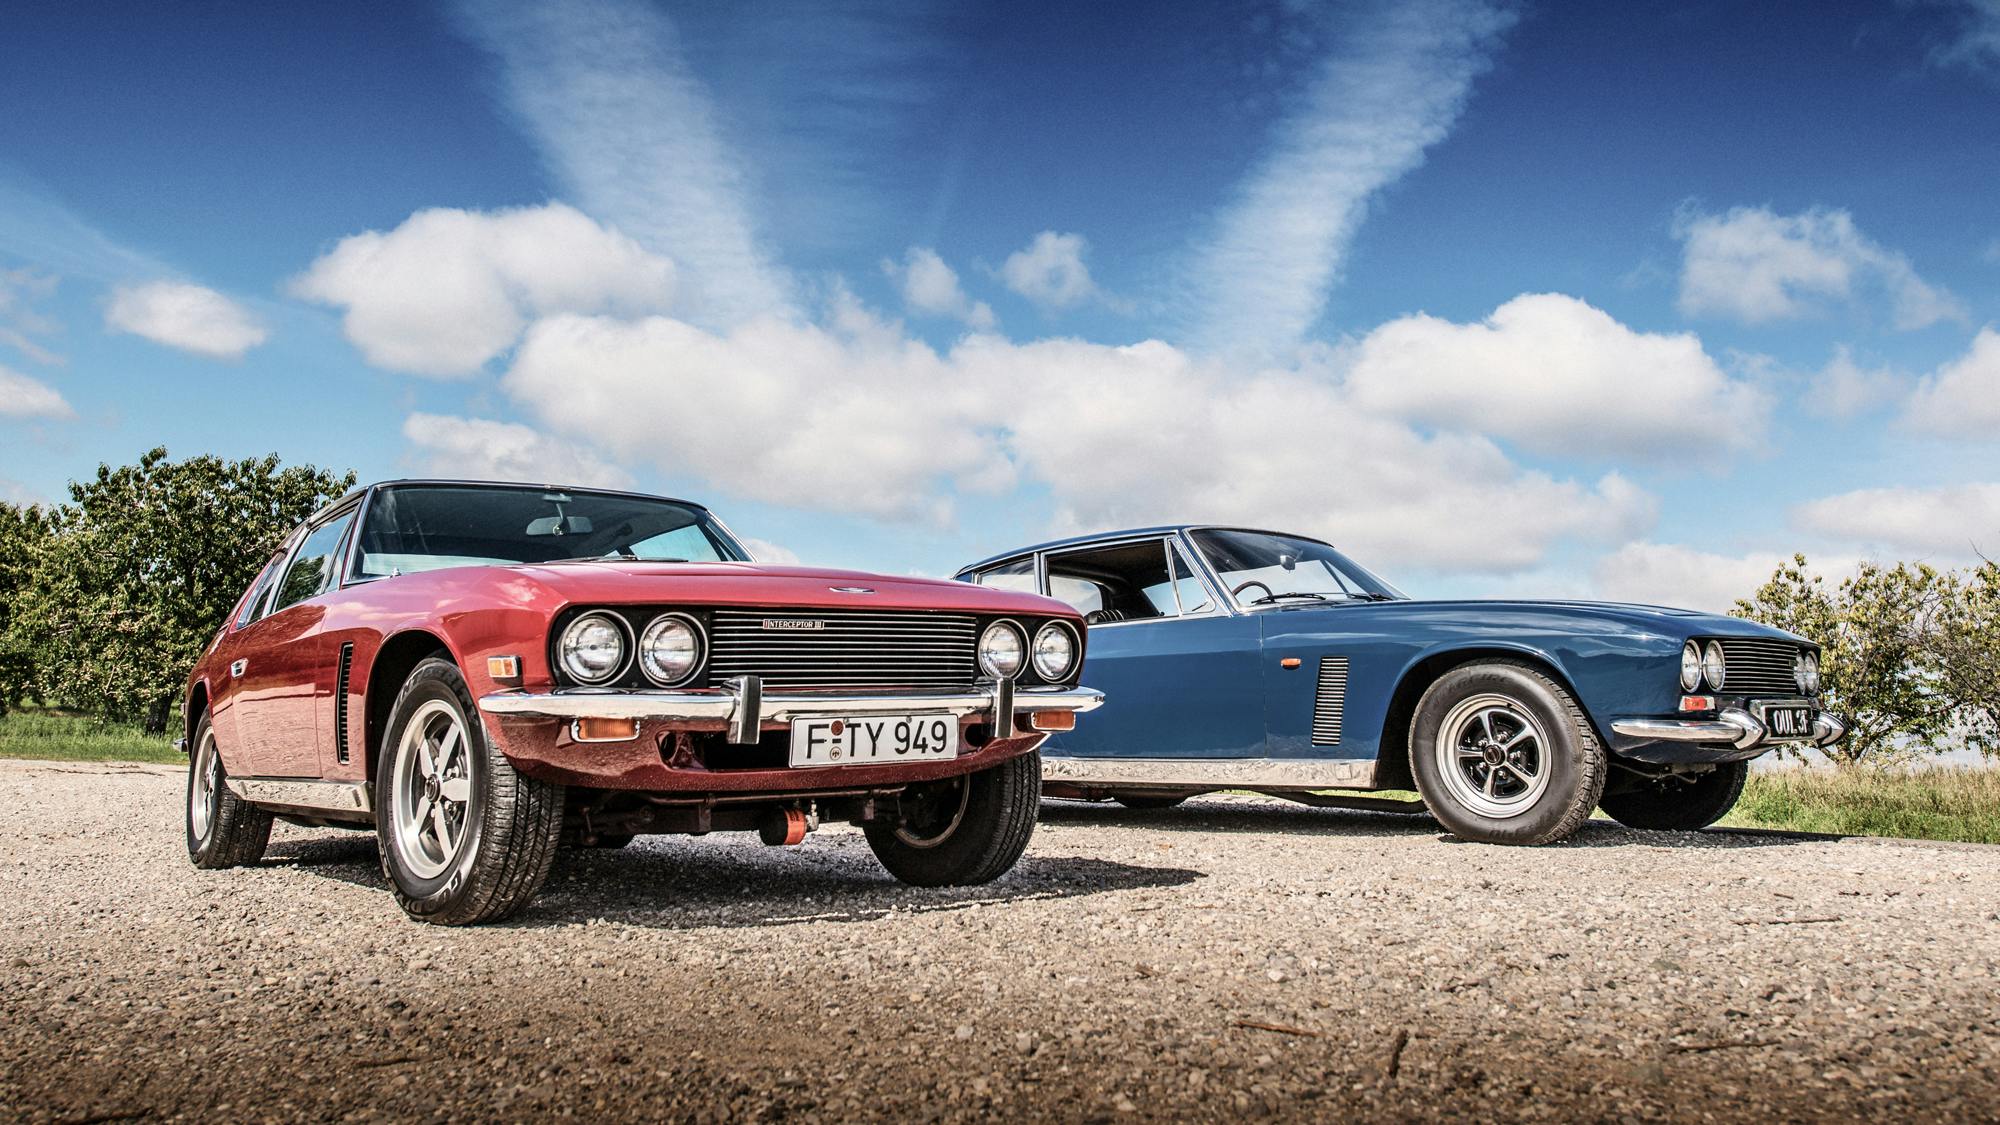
(592, 649)
(1690, 667)
(1055, 651)
(670, 649)
(1712, 666)
(1000, 650)
(1806, 671)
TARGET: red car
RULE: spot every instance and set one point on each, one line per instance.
(484, 672)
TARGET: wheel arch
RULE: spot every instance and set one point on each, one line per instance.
(394, 661)
(1392, 768)
(193, 708)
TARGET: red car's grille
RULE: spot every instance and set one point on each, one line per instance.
(845, 649)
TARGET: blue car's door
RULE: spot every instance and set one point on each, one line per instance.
(1175, 687)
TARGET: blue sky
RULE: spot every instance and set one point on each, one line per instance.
(1559, 298)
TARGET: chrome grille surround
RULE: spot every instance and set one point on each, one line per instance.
(1759, 667)
(847, 649)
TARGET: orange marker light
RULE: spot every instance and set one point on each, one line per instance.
(1290, 662)
(1697, 703)
(503, 667)
(604, 730)
(1053, 720)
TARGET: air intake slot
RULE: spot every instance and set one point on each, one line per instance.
(340, 701)
(1330, 700)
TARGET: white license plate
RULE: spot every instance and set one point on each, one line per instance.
(838, 741)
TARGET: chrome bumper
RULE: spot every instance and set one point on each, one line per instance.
(745, 706)
(1732, 726)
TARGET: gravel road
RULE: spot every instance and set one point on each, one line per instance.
(1226, 959)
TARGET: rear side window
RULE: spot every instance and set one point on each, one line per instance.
(1016, 575)
(257, 591)
(314, 565)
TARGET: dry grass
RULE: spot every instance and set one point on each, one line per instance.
(1923, 803)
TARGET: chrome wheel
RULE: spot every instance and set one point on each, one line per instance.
(939, 812)
(1493, 756)
(202, 789)
(433, 790)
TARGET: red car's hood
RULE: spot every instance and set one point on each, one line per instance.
(758, 584)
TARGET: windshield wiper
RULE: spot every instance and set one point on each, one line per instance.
(1267, 599)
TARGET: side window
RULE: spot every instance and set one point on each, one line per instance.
(1188, 590)
(257, 591)
(1126, 582)
(1016, 575)
(313, 567)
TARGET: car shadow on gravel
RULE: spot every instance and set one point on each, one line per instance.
(669, 882)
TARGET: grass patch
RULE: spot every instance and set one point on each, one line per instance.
(1929, 803)
(64, 736)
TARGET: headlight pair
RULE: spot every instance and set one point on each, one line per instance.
(595, 648)
(1702, 664)
(1004, 651)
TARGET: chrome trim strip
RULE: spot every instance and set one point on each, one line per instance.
(299, 793)
(777, 706)
(1213, 773)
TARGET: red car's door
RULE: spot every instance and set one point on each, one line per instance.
(223, 692)
(281, 668)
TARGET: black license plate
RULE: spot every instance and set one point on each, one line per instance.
(1789, 723)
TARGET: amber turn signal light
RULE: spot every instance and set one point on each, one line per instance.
(503, 667)
(1290, 662)
(604, 730)
(1053, 720)
(1697, 703)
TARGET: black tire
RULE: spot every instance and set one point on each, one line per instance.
(609, 841)
(1142, 803)
(1679, 802)
(508, 825)
(1543, 786)
(964, 831)
(235, 832)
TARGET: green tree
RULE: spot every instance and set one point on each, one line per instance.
(24, 531)
(1882, 634)
(143, 566)
(1969, 658)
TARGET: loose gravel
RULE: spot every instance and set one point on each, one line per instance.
(1224, 960)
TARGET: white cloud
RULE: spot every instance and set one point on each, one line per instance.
(1682, 577)
(21, 290)
(1558, 376)
(930, 287)
(765, 551)
(1049, 271)
(1393, 88)
(856, 417)
(483, 449)
(1962, 399)
(448, 290)
(1977, 44)
(1960, 520)
(605, 87)
(186, 316)
(22, 397)
(1844, 388)
(1756, 266)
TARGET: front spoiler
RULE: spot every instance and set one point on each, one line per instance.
(1733, 735)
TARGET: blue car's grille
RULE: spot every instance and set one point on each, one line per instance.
(1330, 700)
(845, 649)
(1759, 667)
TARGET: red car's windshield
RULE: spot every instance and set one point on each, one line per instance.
(429, 527)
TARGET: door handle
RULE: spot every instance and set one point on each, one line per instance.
(236, 667)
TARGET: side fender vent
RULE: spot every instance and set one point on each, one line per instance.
(1330, 701)
(340, 679)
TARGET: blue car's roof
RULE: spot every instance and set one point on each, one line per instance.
(1130, 532)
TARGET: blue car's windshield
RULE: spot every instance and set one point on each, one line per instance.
(1260, 568)
(429, 527)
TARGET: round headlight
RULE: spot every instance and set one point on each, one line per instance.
(670, 649)
(1712, 666)
(1001, 650)
(1690, 667)
(1055, 651)
(1806, 671)
(592, 649)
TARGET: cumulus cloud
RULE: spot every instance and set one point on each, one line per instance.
(1755, 265)
(1844, 388)
(765, 551)
(448, 290)
(1957, 520)
(853, 416)
(179, 314)
(22, 397)
(1962, 398)
(1682, 577)
(456, 448)
(1049, 271)
(1556, 375)
(930, 287)
(1393, 88)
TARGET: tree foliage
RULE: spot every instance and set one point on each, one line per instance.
(140, 568)
(24, 530)
(1903, 652)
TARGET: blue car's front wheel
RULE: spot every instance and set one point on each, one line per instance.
(1503, 754)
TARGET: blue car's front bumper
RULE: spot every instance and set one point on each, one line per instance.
(1733, 734)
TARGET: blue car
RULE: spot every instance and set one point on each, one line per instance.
(1238, 659)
